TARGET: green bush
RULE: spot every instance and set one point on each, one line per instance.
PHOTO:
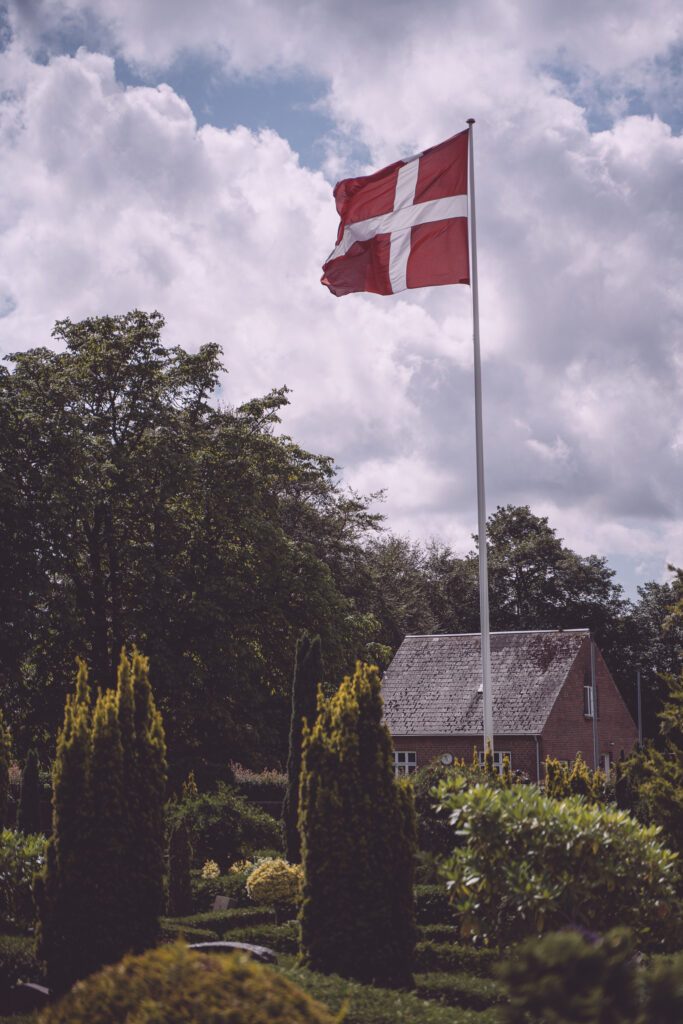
(567, 978)
(308, 675)
(465, 990)
(434, 834)
(223, 826)
(20, 858)
(433, 905)
(205, 890)
(663, 990)
(531, 864)
(18, 961)
(170, 931)
(218, 920)
(28, 811)
(453, 956)
(283, 938)
(366, 1004)
(179, 880)
(437, 932)
(174, 985)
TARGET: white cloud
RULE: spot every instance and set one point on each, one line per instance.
(115, 198)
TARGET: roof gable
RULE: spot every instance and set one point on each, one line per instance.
(431, 686)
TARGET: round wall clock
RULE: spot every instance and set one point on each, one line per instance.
(446, 759)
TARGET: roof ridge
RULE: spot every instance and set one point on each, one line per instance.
(498, 632)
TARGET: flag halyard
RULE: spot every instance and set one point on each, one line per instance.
(404, 226)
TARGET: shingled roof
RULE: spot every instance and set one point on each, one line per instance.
(431, 686)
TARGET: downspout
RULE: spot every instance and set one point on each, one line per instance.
(538, 759)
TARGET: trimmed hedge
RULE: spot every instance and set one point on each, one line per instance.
(365, 1004)
(205, 890)
(451, 956)
(18, 961)
(218, 920)
(461, 989)
(432, 905)
(283, 938)
(437, 933)
(171, 931)
(174, 984)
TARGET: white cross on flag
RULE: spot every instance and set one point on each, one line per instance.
(404, 226)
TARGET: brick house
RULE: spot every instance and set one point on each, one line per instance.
(542, 700)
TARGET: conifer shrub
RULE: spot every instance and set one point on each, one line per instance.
(175, 985)
(28, 812)
(20, 858)
(433, 905)
(179, 879)
(308, 675)
(531, 864)
(358, 840)
(105, 858)
(5, 760)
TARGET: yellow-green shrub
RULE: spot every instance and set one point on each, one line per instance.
(173, 985)
(275, 882)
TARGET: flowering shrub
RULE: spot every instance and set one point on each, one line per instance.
(530, 864)
(20, 858)
(210, 869)
(275, 882)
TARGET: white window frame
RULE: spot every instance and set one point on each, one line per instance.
(405, 762)
(588, 703)
(498, 758)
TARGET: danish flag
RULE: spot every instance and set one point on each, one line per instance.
(404, 226)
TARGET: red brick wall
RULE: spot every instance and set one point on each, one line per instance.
(430, 748)
(567, 730)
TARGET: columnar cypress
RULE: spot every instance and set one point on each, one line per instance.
(308, 674)
(5, 758)
(179, 879)
(100, 894)
(358, 841)
(64, 891)
(28, 812)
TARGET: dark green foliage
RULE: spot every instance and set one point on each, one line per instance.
(20, 858)
(223, 826)
(17, 963)
(358, 840)
(437, 932)
(454, 956)
(28, 812)
(5, 758)
(433, 905)
(460, 989)
(105, 856)
(531, 864)
(179, 879)
(308, 675)
(170, 931)
(205, 890)
(663, 990)
(283, 938)
(366, 1004)
(217, 921)
(133, 508)
(569, 979)
(434, 834)
(173, 984)
(651, 781)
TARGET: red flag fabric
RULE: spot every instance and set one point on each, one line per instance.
(405, 226)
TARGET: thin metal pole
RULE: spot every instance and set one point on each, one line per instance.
(481, 497)
(594, 685)
(640, 711)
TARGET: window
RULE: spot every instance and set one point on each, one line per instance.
(588, 701)
(405, 762)
(498, 758)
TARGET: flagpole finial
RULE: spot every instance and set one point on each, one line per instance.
(470, 120)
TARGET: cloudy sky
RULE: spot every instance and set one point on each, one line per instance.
(180, 156)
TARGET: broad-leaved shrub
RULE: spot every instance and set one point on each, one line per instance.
(531, 864)
(276, 883)
(21, 857)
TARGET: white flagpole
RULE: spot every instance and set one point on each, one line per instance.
(481, 497)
